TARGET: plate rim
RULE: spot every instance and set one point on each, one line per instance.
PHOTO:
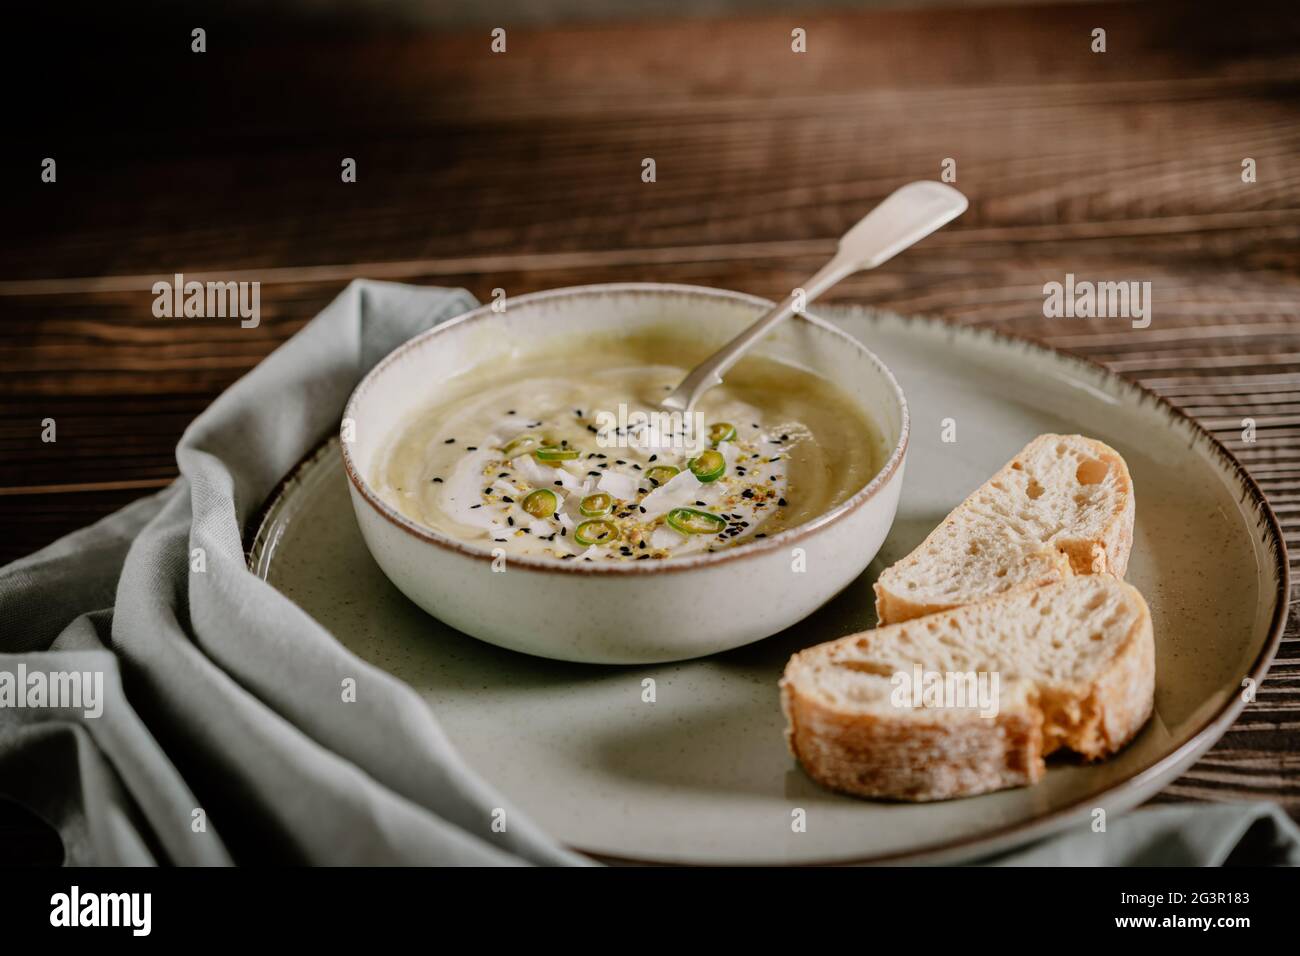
(1139, 784)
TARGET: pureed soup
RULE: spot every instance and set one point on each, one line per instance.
(564, 454)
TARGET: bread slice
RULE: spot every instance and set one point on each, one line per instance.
(1075, 666)
(1063, 506)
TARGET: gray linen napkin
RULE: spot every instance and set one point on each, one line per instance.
(224, 736)
(1251, 834)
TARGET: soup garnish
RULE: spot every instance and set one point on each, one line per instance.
(694, 521)
(524, 458)
(553, 453)
(709, 466)
(595, 532)
(720, 432)
(661, 474)
(594, 506)
(541, 503)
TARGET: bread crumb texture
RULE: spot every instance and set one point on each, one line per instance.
(1063, 506)
(1075, 662)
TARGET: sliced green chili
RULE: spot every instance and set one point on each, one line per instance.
(662, 474)
(709, 466)
(722, 431)
(597, 531)
(553, 453)
(541, 503)
(694, 521)
(521, 443)
(593, 506)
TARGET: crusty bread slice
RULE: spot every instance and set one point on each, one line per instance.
(1076, 668)
(1063, 506)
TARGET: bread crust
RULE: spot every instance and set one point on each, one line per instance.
(1122, 698)
(914, 757)
(919, 761)
(1107, 553)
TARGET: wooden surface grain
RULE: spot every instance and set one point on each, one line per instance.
(522, 171)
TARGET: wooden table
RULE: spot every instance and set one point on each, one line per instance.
(523, 170)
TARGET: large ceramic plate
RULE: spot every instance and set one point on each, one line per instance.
(701, 774)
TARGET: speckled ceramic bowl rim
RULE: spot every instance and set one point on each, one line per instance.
(780, 540)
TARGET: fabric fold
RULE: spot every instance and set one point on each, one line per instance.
(227, 737)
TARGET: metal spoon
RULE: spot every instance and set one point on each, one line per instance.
(906, 216)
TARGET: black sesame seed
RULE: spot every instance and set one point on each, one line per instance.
(781, 502)
(619, 461)
(507, 499)
(450, 441)
(760, 535)
(471, 447)
(653, 457)
(472, 507)
(642, 557)
(642, 509)
(636, 466)
(503, 474)
(510, 521)
(436, 481)
(700, 504)
(564, 532)
(747, 493)
(596, 473)
(559, 484)
(487, 491)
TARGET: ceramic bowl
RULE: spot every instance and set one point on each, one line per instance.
(623, 612)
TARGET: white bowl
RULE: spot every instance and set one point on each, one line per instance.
(623, 612)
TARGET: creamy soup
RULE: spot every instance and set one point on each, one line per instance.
(565, 456)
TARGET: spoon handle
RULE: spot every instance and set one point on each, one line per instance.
(905, 217)
(708, 374)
